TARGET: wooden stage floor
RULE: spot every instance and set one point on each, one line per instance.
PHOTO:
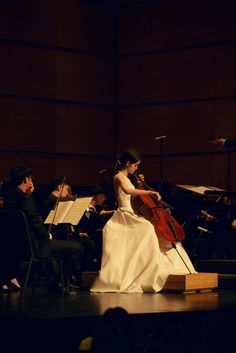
(84, 304)
(63, 321)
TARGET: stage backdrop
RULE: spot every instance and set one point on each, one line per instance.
(83, 80)
(176, 77)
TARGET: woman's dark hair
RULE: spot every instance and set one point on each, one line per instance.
(18, 173)
(131, 155)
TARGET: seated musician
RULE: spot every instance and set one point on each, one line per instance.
(19, 197)
(94, 220)
(8, 280)
(61, 188)
(219, 223)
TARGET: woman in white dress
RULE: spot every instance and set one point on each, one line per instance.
(133, 259)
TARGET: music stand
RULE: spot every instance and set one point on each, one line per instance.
(222, 193)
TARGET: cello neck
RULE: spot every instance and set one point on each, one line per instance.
(142, 183)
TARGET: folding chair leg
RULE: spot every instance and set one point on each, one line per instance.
(61, 275)
(26, 279)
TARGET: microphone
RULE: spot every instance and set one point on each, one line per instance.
(102, 171)
(218, 141)
(160, 137)
(204, 230)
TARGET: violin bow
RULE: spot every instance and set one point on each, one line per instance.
(56, 207)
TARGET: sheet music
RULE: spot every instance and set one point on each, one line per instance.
(69, 211)
(62, 209)
(77, 210)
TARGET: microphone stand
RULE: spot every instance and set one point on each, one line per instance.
(162, 160)
(228, 169)
(170, 224)
(161, 157)
(230, 199)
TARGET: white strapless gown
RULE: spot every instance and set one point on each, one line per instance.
(132, 260)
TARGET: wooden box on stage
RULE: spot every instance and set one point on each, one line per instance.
(192, 282)
(88, 278)
(182, 283)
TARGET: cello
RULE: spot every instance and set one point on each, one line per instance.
(168, 230)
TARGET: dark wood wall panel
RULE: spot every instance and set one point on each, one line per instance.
(85, 130)
(162, 25)
(88, 27)
(67, 24)
(55, 128)
(134, 36)
(27, 71)
(43, 166)
(81, 170)
(206, 170)
(176, 77)
(188, 126)
(41, 72)
(27, 125)
(182, 75)
(56, 87)
(85, 78)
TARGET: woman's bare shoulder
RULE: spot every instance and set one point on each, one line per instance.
(117, 177)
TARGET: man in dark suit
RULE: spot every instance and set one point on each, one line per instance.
(18, 197)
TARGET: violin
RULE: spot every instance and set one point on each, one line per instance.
(168, 230)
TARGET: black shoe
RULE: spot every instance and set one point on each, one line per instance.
(66, 290)
(75, 281)
(70, 291)
(56, 288)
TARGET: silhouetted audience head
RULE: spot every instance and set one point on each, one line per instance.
(113, 334)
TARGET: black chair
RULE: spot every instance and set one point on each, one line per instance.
(16, 246)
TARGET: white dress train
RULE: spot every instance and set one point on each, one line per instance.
(132, 260)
